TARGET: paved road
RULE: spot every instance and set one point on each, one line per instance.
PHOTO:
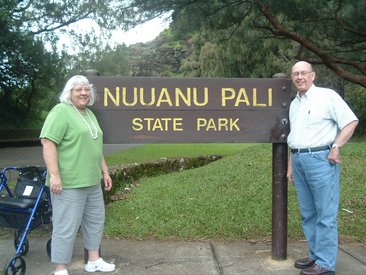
(133, 257)
(14, 156)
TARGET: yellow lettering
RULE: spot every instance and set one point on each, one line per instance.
(223, 123)
(201, 122)
(137, 121)
(205, 101)
(270, 97)
(164, 92)
(124, 97)
(149, 119)
(211, 125)
(224, 97)
(177, 122)
(233, 123)
(154, 124)
(166, 120)
(114, 99)
(241, 93)
(255, 99)
(157, 124)
(179, 94)
(142, 97)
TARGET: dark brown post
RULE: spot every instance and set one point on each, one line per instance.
(91, 72)
(86, 254)
(279, 197)
(279, 201)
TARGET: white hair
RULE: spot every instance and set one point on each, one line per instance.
(65, 96)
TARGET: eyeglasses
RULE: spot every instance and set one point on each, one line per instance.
(301, 73)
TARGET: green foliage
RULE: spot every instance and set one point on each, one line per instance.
(353, 192)
(229, 199)
(325, 32)
(183, 26)
(356, 98)
(152, 152)
(227, 53)
(108, 61)
(33, 70)
(171, 35)
(223, 200)
(26, 79)
(124, 175)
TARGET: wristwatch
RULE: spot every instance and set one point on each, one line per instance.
(335, 145)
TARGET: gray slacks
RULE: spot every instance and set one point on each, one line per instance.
(70, 209)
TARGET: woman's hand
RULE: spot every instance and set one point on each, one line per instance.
(55, 184)
(106, 177)
(107, 181)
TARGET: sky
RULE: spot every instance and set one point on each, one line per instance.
(142, 33)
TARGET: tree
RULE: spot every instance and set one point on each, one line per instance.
(214, 55)
(27, 70)
(31, 66)
(329, 32)
(108, 61)
(26, 77)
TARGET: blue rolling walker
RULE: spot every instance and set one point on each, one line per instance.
(25, 209)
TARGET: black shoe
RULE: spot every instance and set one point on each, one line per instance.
(316, 270)
(304, 263)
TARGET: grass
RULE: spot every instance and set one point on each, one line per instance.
(353, 191)
(205, 203)
(157, 151)
(229, 199)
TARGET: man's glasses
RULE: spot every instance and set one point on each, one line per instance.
(301, 73)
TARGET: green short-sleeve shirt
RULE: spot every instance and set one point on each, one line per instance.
(79, 155)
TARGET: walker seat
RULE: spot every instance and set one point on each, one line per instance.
(26, 209)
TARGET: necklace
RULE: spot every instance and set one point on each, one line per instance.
(86, 123)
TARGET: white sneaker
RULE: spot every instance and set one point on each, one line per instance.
(61, 272)
(99, 265)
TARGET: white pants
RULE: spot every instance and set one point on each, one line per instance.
(70, 209)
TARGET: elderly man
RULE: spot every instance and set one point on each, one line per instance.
(321, 123)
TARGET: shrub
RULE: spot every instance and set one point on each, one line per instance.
(124, 175)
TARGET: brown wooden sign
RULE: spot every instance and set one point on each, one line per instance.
(186, 110)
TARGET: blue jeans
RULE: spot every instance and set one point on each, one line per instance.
(317, 187)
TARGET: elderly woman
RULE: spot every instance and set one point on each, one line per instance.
(73, 152)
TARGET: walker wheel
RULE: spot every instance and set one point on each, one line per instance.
(18, 234)
(48, 247)
(15, 266)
